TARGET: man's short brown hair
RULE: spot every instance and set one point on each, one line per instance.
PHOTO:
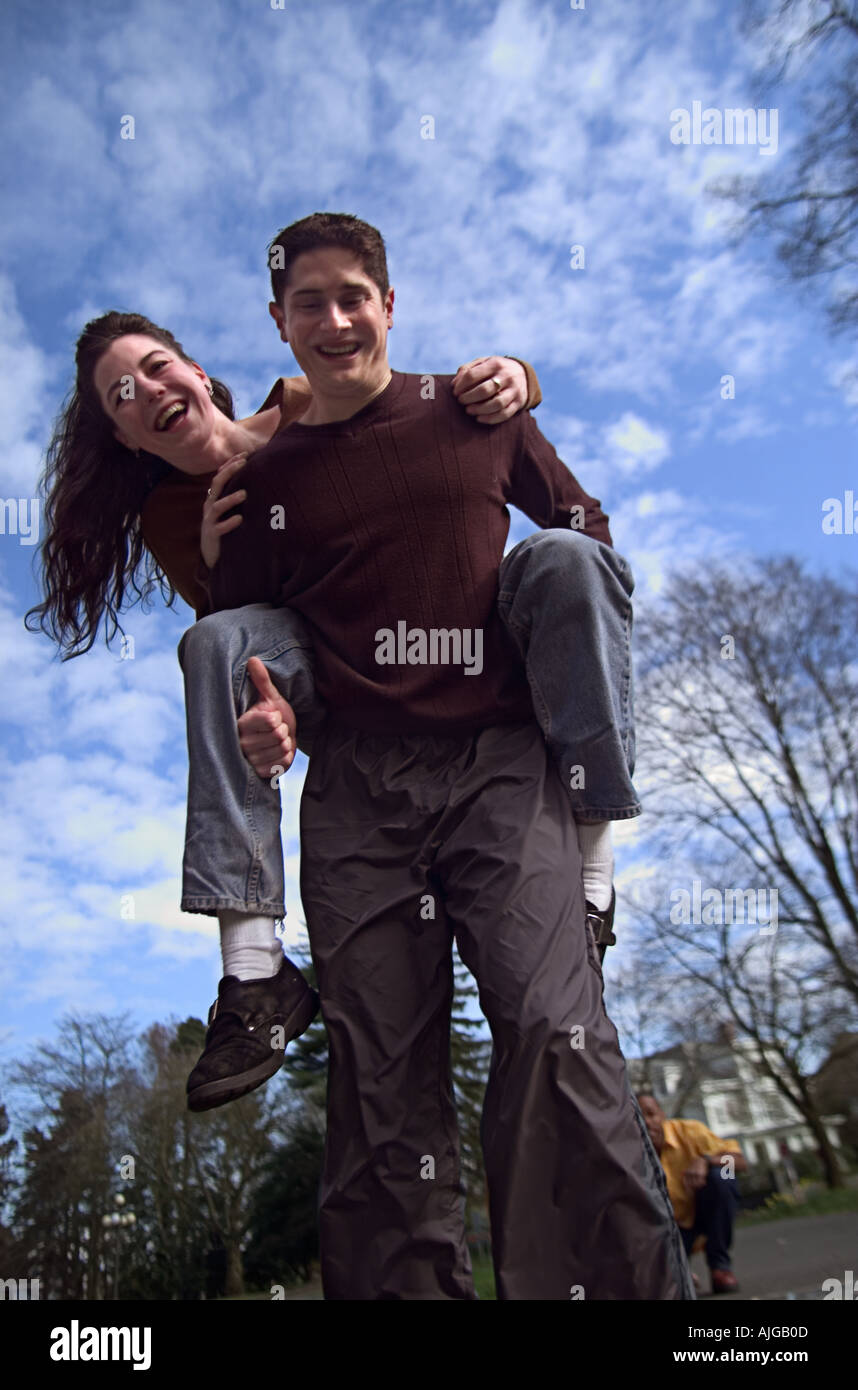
(327, 229)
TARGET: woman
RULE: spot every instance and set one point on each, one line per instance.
(143, 448)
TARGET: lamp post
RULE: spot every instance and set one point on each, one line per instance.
(114, 1223)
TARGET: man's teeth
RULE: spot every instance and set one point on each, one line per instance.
(340, 351)
(177, 408)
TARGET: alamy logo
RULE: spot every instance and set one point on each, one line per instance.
(20, 517)
(711, 907)
(840, 1288)
(732, 126)
(440, 646)
(841, 518)
(19, 1288)
(76, 1343)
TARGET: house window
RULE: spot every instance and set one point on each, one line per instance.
(720, 1112)
(671, 1078)
(763, 1109)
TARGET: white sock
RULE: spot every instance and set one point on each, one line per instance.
(597, 856)
(249, 946)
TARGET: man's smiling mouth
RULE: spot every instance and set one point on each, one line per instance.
(343, 350)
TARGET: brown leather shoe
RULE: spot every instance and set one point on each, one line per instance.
(724, 1281)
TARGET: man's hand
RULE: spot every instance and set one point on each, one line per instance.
(492, 389)
(695, 1176)
(267, 731)
(215, 506)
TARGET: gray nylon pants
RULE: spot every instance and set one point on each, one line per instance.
(476, 830)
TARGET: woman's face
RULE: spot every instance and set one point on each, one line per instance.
(156, 400)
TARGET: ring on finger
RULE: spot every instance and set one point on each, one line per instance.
(497, 384)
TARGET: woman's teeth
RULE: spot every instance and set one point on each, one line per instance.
(167, 416)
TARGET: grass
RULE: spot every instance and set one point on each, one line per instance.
(818, 1201)
(484, 1277)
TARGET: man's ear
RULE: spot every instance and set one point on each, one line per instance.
(279, 318)
(388, 306)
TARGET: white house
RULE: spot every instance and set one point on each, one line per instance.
(724, 1084)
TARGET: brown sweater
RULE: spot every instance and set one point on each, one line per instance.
(171, 517)
(386, 531)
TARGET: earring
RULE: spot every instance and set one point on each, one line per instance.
(211, 389)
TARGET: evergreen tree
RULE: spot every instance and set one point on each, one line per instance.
(174, 1230)
(76, 1091)
(284, 1231)
(306, 1064)
(470, 1052)
(7, 1187)
(62, 1199)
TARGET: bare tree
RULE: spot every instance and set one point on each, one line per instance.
(170, 1206)
(108, 1115)
(747, 734)
(199, 1173)
(74, 1097)
(748, 737)
(809, 203)
(658, 1008)
(773, 993)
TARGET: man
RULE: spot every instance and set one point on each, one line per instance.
(261, 996)
(699, 1168)
(430, 810)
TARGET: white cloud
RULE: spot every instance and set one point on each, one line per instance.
(635, 447)
(843, 376)
(745, 422)
(658, 532)
(552, 128)
(25, 377)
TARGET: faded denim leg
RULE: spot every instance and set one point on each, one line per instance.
(233, 852)
(566, 602)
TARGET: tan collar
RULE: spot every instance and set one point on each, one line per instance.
(292, 394)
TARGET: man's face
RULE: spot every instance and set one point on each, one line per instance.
(333, 318)
(654, 1117)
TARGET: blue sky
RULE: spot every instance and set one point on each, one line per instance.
(551, 129)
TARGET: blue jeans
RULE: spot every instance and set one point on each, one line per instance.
(715, 1207)
(566, 602)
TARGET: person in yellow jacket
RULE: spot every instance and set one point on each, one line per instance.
(700, 1170)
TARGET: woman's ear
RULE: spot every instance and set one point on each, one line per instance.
(124, 440)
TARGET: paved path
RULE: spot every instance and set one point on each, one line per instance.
(789, 1258)
(772, 1260)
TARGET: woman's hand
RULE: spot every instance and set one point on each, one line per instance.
(491, 388)
(215, 506)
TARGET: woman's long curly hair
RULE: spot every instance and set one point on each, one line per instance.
(93, 557)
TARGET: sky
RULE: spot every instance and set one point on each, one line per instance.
(550, 129)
